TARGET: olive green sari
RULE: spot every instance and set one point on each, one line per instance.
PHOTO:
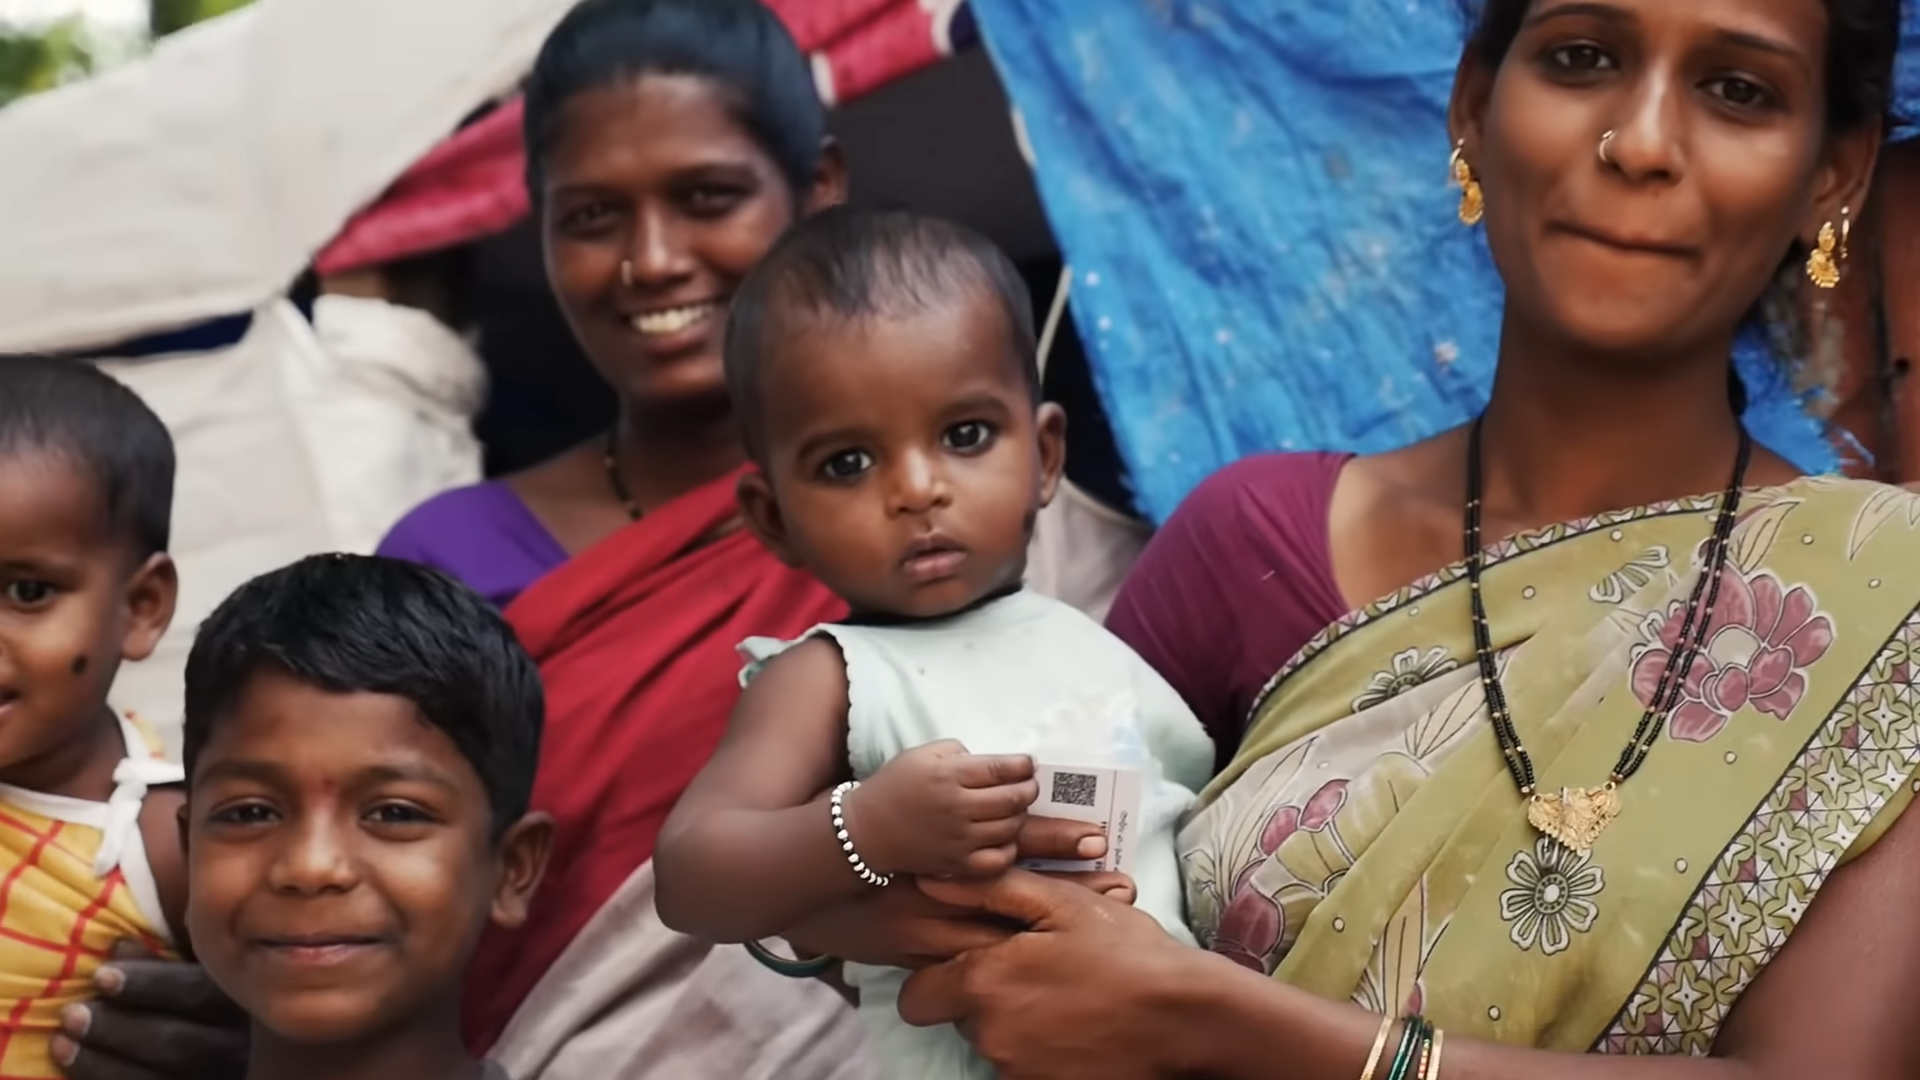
(1368, 843)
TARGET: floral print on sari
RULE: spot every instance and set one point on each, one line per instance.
(1300, 862)
(1764, 638)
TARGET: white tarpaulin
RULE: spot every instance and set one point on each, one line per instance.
(302, 438)
(198, 183)
(201, 180)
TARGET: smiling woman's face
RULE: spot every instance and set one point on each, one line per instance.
(658, 173)
(1720, 159)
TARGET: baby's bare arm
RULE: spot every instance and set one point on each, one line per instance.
(749, 849)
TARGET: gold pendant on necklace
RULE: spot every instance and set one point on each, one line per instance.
(1576, 816)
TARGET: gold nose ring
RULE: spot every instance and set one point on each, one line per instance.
(626, 272)
(1606, 143)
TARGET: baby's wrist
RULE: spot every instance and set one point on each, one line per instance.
(860, 807)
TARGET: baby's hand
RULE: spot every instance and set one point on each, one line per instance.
(940, 811)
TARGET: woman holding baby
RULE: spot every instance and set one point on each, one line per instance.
(1605, 747)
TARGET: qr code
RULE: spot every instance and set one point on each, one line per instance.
(1075, 789)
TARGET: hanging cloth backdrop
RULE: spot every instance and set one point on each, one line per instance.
(1253, 197)
(472, 185)
(197, 182)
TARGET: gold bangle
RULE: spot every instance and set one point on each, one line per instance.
(1439, 1043)
(1379, 1047)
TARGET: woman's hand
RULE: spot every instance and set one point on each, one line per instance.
(154, 1020)
(1092, 991)
(901, 926)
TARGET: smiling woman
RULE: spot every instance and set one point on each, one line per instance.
(669, 145)
(1632, 780)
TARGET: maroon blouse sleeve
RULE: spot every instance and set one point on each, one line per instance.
(1235, 583)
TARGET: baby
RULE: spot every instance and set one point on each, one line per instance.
(882, 366)
(91, 859)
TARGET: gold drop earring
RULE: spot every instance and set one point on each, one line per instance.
(1473, 204)
(1829, 252)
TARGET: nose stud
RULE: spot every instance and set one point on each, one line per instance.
(1606, 144)
(626, 272)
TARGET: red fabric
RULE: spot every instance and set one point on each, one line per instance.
(897, 41)
(861, 45)
(635, 641)
(469, 187)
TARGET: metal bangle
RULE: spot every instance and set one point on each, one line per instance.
(1379, 1047)
(1410, 1039)
(837, 804)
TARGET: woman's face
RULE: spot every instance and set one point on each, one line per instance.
(1719, 160)
(657, 173)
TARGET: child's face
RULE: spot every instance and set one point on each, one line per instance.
(340, 861)
(905, 457)
(74, 603)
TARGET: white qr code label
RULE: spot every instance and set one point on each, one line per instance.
(1107, 796)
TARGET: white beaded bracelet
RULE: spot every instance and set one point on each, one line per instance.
(836, 803)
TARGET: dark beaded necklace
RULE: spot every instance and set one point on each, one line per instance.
(618, 485)
(1575, 817)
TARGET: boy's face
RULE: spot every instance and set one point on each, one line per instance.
(905, 457)
(74, 603)
(340, 861)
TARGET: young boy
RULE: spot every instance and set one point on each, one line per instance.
(90, 857)
(882, 367)
(361, 739)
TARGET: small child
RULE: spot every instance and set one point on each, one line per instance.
(90, 857)
(882, 365)
(361, 737)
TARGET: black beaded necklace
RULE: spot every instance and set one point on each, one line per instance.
(1575, 817)
(618, 485)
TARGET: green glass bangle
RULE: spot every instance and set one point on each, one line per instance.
(1410, 1041)
(792, 969)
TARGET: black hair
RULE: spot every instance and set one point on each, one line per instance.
(1863, 37)
(846, 264)
(363, 624)
(72, 410)
(738, 44)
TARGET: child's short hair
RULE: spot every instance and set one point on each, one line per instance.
(364, 624)
(74, 411)
(845, 264)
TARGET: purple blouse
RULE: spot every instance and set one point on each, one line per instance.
(1238, 580)
(484, 535)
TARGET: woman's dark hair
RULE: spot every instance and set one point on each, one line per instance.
(1863, 37)
(738, 44)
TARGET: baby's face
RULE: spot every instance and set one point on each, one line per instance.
(907, 457)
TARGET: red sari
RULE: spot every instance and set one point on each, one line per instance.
(635, 641)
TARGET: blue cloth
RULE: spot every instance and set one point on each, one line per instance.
(1253, 197)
